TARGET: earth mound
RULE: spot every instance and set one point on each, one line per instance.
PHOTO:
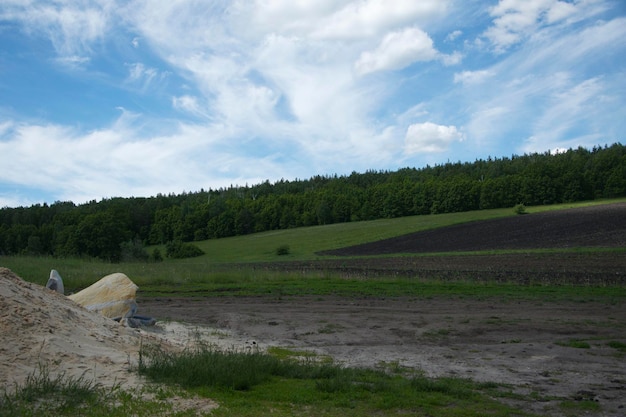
(41, 327)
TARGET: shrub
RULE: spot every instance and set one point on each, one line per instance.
(133, 250)
(520, 209)
(283, 250)
(177, 249)
(156, 256)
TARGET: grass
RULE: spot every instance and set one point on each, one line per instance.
(620, 346)
(256, 383)
(575, 343)
(187, 279)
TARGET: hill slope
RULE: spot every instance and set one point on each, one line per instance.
(595, 226)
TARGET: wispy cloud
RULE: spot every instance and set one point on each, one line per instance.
(472, 77)
(72, 27)
(515, 20)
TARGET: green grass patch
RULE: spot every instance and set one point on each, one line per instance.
(572, 408)
(200, 280)
(618, 345)
(575, 343)
(256, 383)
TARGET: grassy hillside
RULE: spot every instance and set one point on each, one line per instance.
(306, 241)
(212, 272)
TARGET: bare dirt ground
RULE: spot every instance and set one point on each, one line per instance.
(506, 342)
(524, 343)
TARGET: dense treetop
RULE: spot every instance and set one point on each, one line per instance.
(104, 229)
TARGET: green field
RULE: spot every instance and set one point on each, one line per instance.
(222, 269)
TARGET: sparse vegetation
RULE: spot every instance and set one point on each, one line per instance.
(45, 394)
(254, 383)
(620, 346)
(574, 343)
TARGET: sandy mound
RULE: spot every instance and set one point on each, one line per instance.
(42, 327)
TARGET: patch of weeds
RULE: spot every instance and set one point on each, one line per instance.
(330, 328)
(618, 345)
(437, 333)
(393, 367)
(301, 355)
(575, 343)
(577, 408)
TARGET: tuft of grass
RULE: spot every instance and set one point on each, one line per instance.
(575, 343)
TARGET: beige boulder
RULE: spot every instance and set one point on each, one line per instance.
(114, 296)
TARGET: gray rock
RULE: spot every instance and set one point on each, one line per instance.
(55, 282)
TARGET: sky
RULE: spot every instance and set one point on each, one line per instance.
(121, 98)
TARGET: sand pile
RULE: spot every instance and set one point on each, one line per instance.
(42, 327)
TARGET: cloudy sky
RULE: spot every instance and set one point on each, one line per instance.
(107, 98)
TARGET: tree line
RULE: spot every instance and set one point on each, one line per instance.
(112, 228)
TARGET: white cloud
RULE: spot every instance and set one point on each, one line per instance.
(116, 161)
(430, 138)
(370, 18)
(472, 77)
(396, 51)
(515, 20)
(452, 36)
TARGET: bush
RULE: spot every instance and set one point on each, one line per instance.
(133, 250)
(177, 250)
(520, 209)
(283, 250)
(156, 256)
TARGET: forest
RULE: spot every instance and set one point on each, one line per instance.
(113, 228)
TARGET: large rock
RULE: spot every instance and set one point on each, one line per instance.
(55, 282)
(113, 296)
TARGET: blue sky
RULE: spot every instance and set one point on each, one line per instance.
(109, 98)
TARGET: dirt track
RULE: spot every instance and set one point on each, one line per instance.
(522, 343)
